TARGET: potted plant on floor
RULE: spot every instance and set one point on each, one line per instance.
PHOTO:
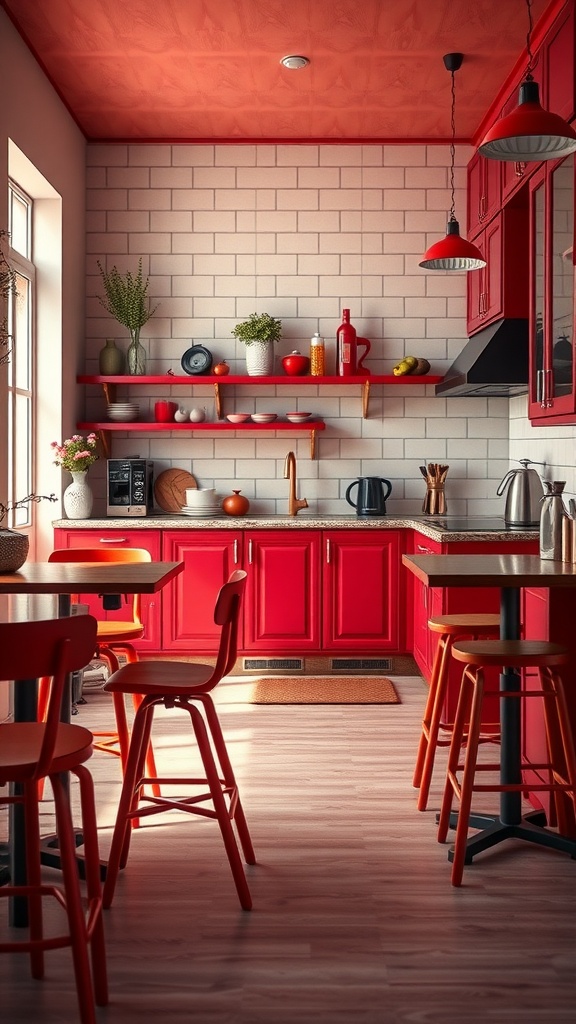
(127, 301)
(259, 332)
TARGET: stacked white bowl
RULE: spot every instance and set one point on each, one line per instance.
(202, 502)
(123, 412)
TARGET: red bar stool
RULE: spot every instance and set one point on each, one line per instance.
(436, 733)
(560, 767)
(114, 636)
(185, 685)
(30, 751)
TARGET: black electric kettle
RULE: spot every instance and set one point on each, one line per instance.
(372, 494)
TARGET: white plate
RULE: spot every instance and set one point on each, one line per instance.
(203, 515)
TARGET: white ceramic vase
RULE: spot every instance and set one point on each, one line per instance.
(260, 359)
(78, 497)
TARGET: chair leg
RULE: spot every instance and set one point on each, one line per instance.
(462, 713)
(93, 885)
(431, 723)
(561, 750)
(128, 799)
(74, 908)
(229, 777)
(33, 876)
(474, 681)
(220, 806)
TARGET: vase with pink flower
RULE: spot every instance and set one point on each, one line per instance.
(76, 454)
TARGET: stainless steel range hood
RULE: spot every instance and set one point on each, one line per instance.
(493, 364)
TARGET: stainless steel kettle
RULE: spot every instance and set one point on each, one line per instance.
(372, 494)
(524, 496)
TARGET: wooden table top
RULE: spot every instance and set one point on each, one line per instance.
(89, 577)
(490, 571)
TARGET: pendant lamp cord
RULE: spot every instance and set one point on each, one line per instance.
(452, 149)
(529, 75)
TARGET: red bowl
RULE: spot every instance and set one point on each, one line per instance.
(296, 365)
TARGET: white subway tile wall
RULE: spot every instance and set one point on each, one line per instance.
(301, 232)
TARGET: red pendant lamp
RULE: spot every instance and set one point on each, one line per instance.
(453, 252)
(529, 132)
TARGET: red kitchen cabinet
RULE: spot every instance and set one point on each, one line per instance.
(484, 192)
(209, 557)
(501, 287)
(283, 597)
(363, 590)
(547, 614)
(552, 294)
(427, 601)
(558, 85)
(128, 538)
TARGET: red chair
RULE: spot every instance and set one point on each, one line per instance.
(114, 636)
(30, 751)
(185, 685)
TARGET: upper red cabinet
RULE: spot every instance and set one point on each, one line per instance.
(484, 192)
(557, 84)
(501, 287)
(552, 292)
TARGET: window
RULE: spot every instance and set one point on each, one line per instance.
(21, 369)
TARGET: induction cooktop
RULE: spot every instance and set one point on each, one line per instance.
(474, 524)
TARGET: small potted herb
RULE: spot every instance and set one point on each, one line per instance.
(259, 332)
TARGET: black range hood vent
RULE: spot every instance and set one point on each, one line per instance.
(493, 364)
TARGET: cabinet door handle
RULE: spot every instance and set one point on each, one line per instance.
(540, 387)
(423, 550)
(327, 551)
(235, 552)
(549, 388)
(249, 552)
(519, 168)
(113, 540)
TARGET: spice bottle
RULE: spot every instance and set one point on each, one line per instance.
(317, 356)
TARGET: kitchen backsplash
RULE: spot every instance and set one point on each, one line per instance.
(299, 232)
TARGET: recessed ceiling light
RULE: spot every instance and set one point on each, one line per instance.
(294, 62)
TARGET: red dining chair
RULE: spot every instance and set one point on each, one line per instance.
(30, 751)
(185, 685)
(114, 636)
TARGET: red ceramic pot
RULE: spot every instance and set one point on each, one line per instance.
(296, 365)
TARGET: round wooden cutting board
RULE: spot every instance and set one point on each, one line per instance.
(170, 489)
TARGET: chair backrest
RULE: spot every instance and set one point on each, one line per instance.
(53, 648)
(106, 554)
(226, 615)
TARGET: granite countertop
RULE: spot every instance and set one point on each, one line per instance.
(423, 525)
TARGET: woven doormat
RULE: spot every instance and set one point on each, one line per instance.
(323, 690)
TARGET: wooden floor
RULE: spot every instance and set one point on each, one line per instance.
(354, 916)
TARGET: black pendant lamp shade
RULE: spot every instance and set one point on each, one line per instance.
(529, 132)
(452, 252)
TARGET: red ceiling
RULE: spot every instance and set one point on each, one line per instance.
(209, 69)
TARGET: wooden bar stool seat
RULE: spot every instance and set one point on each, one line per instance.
(558, 771)
(436, 733)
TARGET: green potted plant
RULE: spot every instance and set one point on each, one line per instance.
(127, 301)
(259, 332)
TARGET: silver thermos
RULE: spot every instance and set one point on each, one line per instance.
(552, 519)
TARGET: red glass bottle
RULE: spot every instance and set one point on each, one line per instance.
(346, 346)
